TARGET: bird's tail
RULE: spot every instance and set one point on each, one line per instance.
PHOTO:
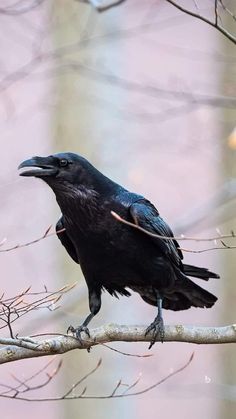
(184, 295)
(197, 296)
(196, 272)
(187, 294)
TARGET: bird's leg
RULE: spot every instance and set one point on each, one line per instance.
(157, 326)
(82, 328)
(95, 305)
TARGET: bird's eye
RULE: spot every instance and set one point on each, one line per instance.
(63, 162)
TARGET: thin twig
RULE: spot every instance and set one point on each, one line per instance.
(25, 386)
(105, 5)
(13, 308)
(180, 238)
(44, 236)
(222, 30)
(208, 249)
(65, 395)
(126, 353)
(216, 13)
(114, 394)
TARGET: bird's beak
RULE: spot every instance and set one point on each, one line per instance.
(42, 167)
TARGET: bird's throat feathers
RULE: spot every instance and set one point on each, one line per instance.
(80, 200)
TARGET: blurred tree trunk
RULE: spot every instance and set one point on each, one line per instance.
(76, 128)
(71, 119)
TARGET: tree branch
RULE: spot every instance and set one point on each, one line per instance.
(179, 238)
(215, 239)
(214, 24)
(19, 246)
(59, 344)
(13, 308)
(104, 5)
(23, 389)
(19, 8)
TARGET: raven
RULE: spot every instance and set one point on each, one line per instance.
(114, 256)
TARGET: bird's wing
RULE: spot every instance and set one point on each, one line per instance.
(146, 216)
(65, 240)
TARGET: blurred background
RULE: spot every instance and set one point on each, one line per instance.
(148, 95)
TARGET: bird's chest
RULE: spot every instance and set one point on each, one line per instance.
(95, 242)
(92, 230)
(102, 243)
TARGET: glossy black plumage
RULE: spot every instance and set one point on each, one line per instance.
(114, 256)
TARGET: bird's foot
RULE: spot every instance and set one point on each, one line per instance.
(76, 331)
(157, 329)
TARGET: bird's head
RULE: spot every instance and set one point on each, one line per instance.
(62, 171)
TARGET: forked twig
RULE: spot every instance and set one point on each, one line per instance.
(181, 238)
(24, 387)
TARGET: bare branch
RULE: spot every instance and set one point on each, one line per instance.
(24, 387)
(216, 13)
(208, 249)
(214, 24)
(149, 233)
(182, 237)
(19, 246)
(103, 5)
(224, 195)
(127, 354)
(19, 8)
(68, 393)
(62, 52)
(60, 344)
(13, 308)
(148, 90)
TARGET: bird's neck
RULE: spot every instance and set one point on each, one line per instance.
(80, 201)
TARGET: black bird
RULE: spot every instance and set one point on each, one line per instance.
(114, 256)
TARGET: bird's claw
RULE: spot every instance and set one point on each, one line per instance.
(157, 329)
(76, 331)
